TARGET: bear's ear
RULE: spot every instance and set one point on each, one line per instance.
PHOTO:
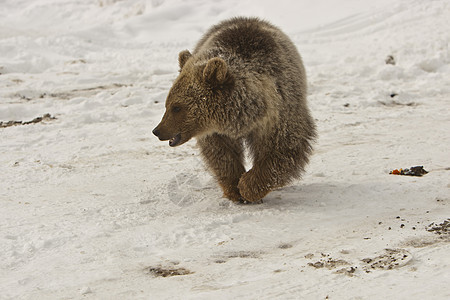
(183, 57)
(216, 71)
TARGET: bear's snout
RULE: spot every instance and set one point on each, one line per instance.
(156, 132)
(161, 134)
(174, 139)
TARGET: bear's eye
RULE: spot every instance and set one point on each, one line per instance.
(176, 109)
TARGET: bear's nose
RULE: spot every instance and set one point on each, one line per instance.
(156, 131)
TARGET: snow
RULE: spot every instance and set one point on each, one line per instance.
(91, 204)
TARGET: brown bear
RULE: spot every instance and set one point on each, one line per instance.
(243, 87)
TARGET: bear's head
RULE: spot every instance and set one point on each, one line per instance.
(194, 99)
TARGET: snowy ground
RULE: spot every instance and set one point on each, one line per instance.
(93, 206)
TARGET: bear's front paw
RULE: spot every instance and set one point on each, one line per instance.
(251, 189)
(234, 196)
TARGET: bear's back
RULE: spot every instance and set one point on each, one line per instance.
(245, 37)
(254, 45)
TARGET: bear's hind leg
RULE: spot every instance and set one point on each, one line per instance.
(224, 156)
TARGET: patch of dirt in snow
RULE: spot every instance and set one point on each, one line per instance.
(327, 262)
(387, 260)
(390, 259)
(45, 118)
(439, 229)
(340, 266)
(167, 272)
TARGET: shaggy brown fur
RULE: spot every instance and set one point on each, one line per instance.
(244, 86)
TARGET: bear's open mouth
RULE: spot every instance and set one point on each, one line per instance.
(175, 140)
